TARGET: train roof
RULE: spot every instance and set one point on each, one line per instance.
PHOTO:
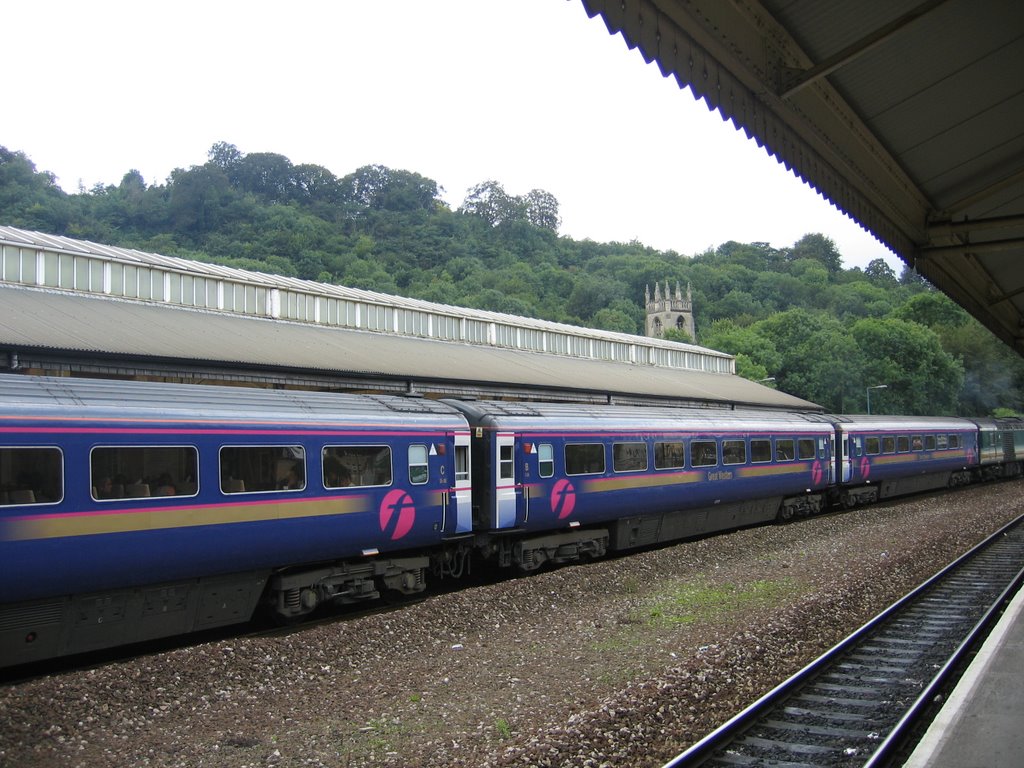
(498, 414)
(155, 400)
(901, 423)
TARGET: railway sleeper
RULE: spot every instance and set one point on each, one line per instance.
(297, 593)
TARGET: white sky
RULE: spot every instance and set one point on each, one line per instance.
(529, 93)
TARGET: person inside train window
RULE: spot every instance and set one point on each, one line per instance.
(105, 488)
(785, 450)
(165, 486)
(291, 481)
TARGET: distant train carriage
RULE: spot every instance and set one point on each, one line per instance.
(884, 456)
(1000, 447)
(168, 508)
(619, 477)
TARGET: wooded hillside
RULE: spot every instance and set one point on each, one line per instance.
(822, 332)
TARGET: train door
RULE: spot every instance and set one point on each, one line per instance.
(461, 495)
(506, 490)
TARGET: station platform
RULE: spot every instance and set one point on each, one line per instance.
(982, 723)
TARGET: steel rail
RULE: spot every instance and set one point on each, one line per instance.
(717, 742)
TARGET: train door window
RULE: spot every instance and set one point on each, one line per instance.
(135, 472)
(760, 451)
(954, 441)
(31, 476)
(823, 447)
(785, 450)
(734, 452)
(902, 444)
(461, 463)
(584, 459)
(356, 466)
(262, 468)
(941, 442)
(857, 445)
(506, 464)
(929, 442)
(669, 455)
(418, 472)
(546, 459)
(703, 453)
(629, 457)
(888, 444)
(873, 446)
(805, 448)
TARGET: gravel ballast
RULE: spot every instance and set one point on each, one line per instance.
(621, 662)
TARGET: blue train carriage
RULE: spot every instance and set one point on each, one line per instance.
(130, 511)
(1000, 447)
(885, 456)
(560, 482)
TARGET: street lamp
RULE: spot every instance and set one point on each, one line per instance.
(877, 386)
(765, 381)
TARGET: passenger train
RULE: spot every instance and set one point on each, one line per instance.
(131, 511)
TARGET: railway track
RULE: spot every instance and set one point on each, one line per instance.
(858, 704)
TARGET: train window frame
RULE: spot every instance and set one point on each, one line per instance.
(625, 456)
(903, 444)
(545, 459)
(157, 490)
(36, 501)
(266, 469)
(806, 448)
(888, 444)
(419, 466)
(760, 450)
(929, 442)
(872, 445)
(734, 452)
(669, 451)
(941, 442)
(785, 449)
(571, 462)
(701, 456)
(368, 454)
(954, 440)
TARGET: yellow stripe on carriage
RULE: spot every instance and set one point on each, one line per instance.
(153, 518)
(627, 482)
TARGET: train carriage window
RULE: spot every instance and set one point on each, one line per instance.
(629, 457)
(873, 446)
(584, 459)
(506, 463)
(760, 451)
(805, 448)
(785, 450)
(929, 442)
(703, 453)
(917, 443)
(261, 468)
(546, 459)
(888, 445)
(418, 470)
(669, 455)
(31, 476)
(356, 466)
(734, 452)
(954, 441)
(135, 472)
(461, 463)
(941, 442)
(902, 444)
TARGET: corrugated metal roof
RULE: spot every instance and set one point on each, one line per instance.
(132, 331)
(906, 114)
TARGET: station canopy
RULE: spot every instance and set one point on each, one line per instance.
(906, 115)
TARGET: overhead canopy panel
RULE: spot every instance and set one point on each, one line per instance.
(906, 115)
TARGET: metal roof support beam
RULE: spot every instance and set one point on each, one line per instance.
(949, 228)
(854, 50)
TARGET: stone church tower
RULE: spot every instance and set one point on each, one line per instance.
(666, 311)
